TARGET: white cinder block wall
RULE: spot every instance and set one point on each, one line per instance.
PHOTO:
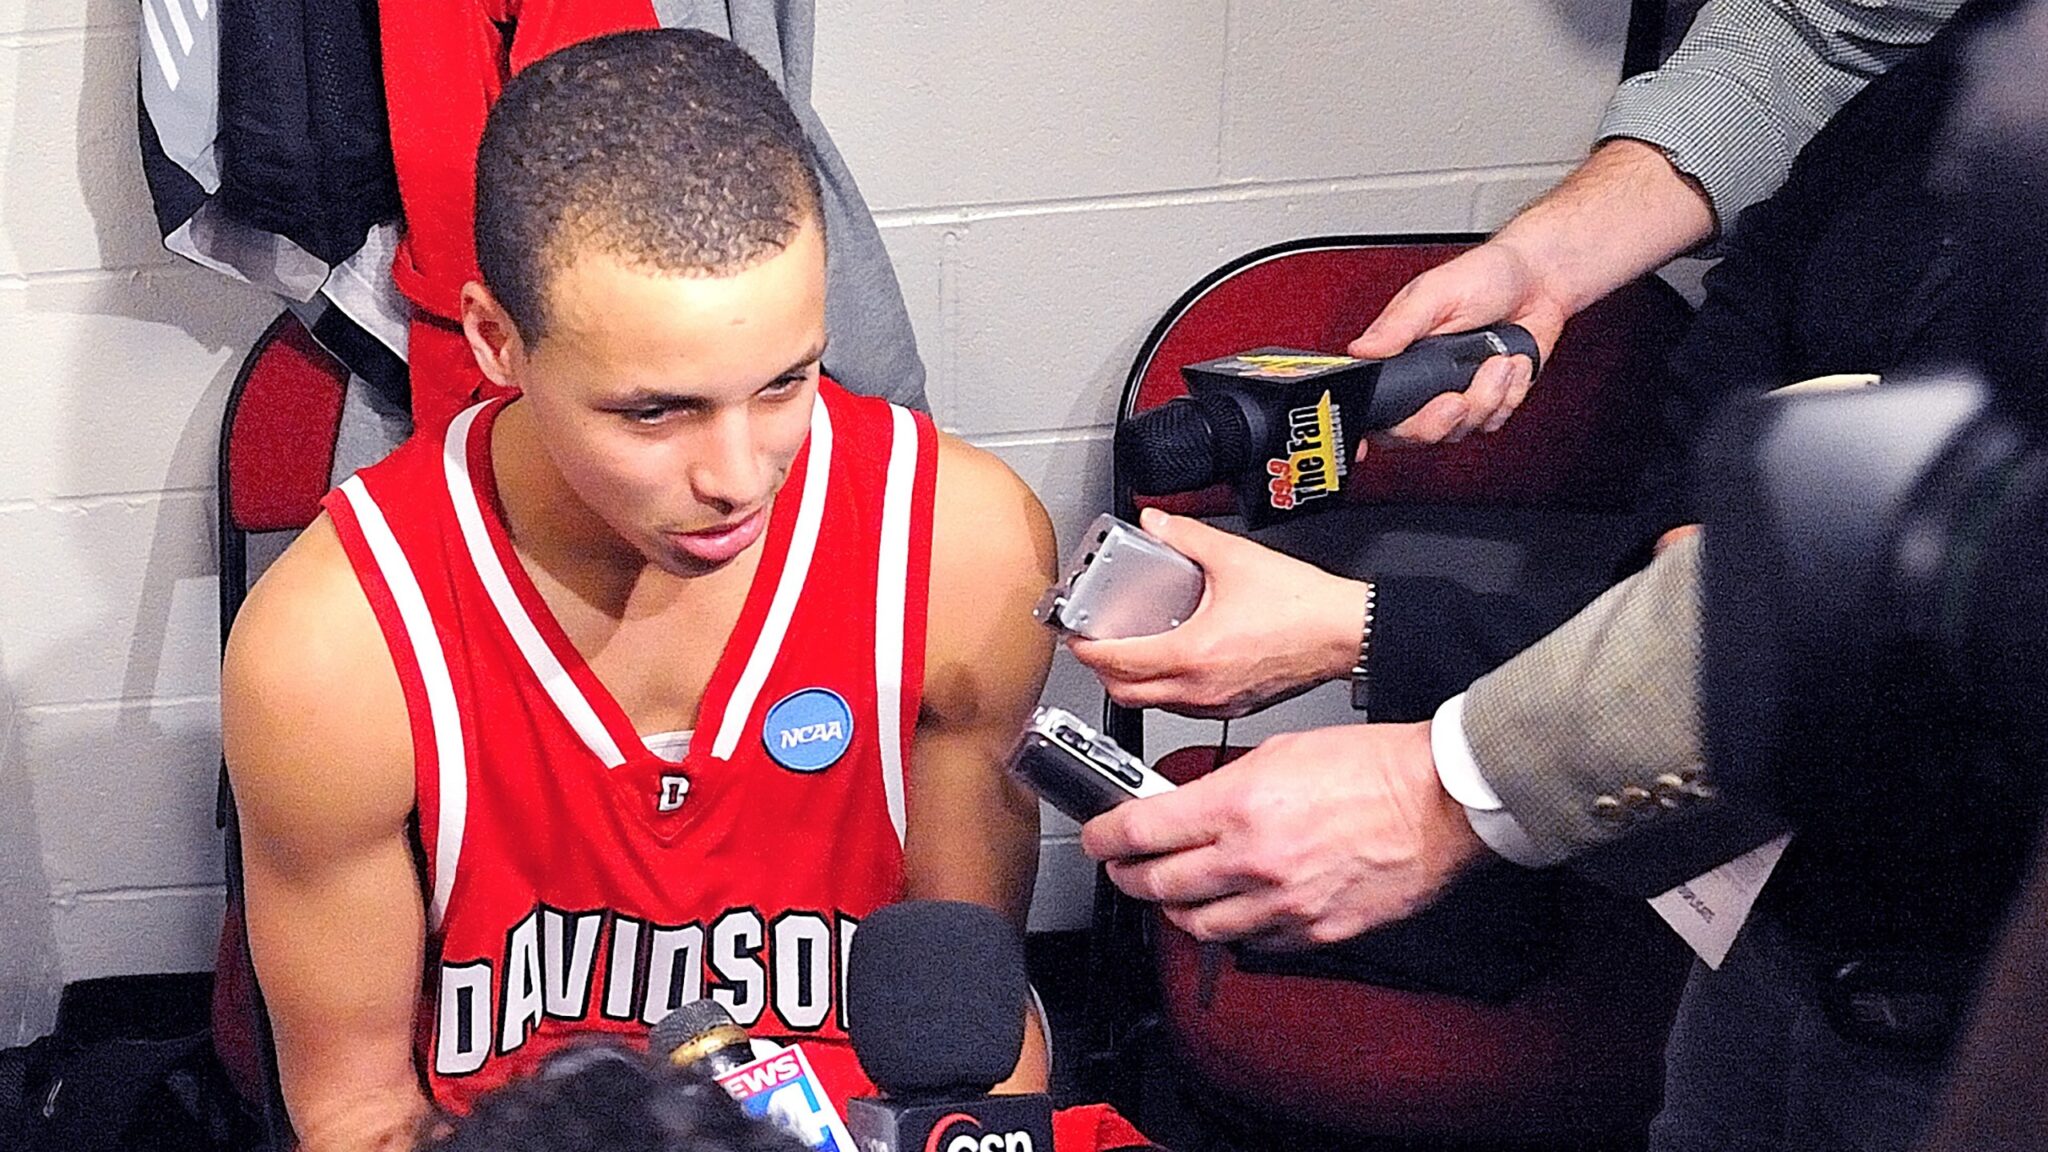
(1048, 177)
(114, 360)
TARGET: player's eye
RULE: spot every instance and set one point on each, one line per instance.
(783, 386)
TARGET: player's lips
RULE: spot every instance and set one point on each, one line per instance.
(719, 544)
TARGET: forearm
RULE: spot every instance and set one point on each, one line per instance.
(387, 1121)
(1033, 1071)
(972, 831)
(339, 952)
(1625, 211)
(344, 1092)
(973, 836)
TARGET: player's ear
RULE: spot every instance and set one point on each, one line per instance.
(493, 338)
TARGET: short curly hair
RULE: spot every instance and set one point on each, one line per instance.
(666, 149)
(605, 1097)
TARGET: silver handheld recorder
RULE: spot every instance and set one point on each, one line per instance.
(1125, 582)
(1078, 770)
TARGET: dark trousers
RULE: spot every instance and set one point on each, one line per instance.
(1754, 1066)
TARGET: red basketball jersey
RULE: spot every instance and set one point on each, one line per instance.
(576, 882)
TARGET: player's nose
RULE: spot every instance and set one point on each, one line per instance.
(727, 469)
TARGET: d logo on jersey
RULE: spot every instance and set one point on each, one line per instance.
(670, 796)
(808, 731)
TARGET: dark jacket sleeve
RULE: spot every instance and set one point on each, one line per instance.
(304, 146)
(1793, 296)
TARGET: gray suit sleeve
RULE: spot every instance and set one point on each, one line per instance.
(1584, 733)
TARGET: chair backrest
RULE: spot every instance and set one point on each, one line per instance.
(1573, 452)
(277, 441)
(276, 454)
(1573, 444)
(1418, 1063)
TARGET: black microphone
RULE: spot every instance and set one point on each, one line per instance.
(935, 997)
(701, 1036)
(1282, 424)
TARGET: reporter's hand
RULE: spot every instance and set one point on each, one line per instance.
(1310, 838)
(1490, 284)
(1268, 627)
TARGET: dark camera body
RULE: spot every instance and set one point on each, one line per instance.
(1873, 580)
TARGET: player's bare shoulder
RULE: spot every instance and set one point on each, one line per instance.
(993, 554)
(990, 534)
(313, 718)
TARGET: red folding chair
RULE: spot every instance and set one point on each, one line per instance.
(1574, 1056)
(276, 454)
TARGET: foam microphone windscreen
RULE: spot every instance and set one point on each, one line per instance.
(1166, 450)
(1187, 443)
(935, 996)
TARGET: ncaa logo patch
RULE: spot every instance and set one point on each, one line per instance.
(808, 731)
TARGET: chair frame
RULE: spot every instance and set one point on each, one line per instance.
(1125, 1011)
(233, 544)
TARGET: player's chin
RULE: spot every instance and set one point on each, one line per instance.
(671, 557)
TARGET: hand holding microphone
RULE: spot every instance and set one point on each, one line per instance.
(1494, 283)
(781, 1087)
(1283, 425)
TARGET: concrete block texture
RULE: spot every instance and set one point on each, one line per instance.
(48, 16)
(918, 253)
(29, 979)
(944, 104)
(1049, 307)
(141, 777)
(1323, 90)
(117, 379)
(73, 194)
(1502, 194)
(109, 599)
(138, 933)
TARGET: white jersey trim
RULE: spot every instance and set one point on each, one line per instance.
(445, 717)
(892, 580)
(555, 679)
(810, 516)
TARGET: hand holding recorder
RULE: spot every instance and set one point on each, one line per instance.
(1265, 627)
(1310, 838)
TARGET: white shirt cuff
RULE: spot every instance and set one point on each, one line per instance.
(1455, 765)
(1459, 771)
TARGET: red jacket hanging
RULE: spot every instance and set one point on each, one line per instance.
(444, 64)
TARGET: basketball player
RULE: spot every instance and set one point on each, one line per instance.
(650, 681)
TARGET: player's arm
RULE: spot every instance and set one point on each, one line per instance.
(319, 750)
(973, 833)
